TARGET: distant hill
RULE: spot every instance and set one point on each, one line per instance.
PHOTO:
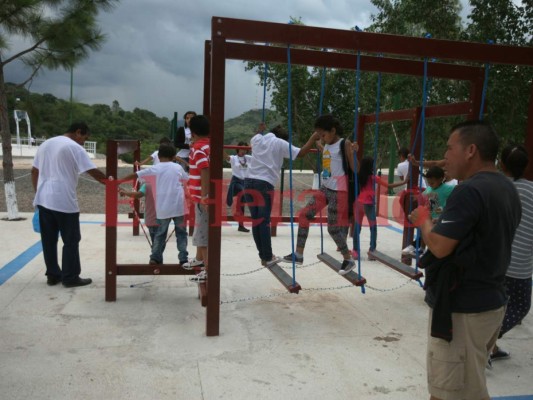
(243, 127)
(49, 116)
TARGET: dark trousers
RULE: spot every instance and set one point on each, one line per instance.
(235, 188)
(519, 304)
(52, 224)
(259, 196)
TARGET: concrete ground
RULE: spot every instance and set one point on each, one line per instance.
(328, 342)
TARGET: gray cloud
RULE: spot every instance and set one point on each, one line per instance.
(153, 57)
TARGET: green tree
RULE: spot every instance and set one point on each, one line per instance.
(59, 33)
(402, 17)
(509, 86)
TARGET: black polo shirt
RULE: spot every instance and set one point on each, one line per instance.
(482, 213)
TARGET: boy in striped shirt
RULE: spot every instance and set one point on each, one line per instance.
(199, 189)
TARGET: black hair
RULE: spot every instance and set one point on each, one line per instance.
(328, 122)
(241, 144)
(435, 172)
(366, 170)
(404, 152)
(515, 160)
(481, 134)
(279, 132)
(164, 139)
(185, 118)
(166, 150)
(82, 126)
(199, 125)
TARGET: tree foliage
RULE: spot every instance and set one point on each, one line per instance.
(509, 87)
(507, 94)
(57, 34)
(50, 115)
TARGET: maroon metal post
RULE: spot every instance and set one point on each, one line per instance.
(136, 202)
(218, 81)
(111, 208)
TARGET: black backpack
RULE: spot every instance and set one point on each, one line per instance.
(350, 179)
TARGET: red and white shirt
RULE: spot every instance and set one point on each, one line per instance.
(198, 160)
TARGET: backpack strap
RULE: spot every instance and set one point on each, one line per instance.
(345, 164)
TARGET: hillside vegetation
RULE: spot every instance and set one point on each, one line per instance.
(50, 116)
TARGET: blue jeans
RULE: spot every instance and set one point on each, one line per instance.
(152, 230)
(68, 224)
(259, 196)
(370, 211)
(160, 239)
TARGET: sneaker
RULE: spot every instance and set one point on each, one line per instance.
(409, 250)
(355, 254)
(243, 229)
(347, 266)
(194, 263)
(499, 354)
(272, 262)
(201, 277)
(371, 257)
(297, 260)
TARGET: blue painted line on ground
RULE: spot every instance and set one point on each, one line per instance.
(393, 228)
(524, 397)
(19, 262)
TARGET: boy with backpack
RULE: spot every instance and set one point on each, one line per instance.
(337, 162)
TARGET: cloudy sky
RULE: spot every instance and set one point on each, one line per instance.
(153, 56)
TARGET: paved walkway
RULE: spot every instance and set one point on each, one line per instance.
(328, 342)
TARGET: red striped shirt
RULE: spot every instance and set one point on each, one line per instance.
(198, 160)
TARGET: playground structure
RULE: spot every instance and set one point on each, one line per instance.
(236, 39)
(112, 268)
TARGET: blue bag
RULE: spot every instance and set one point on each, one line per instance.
(35, 221)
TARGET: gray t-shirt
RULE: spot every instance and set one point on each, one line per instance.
(521, 266)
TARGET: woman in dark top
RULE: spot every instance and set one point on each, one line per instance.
(183, 138)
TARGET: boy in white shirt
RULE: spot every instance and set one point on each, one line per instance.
(166, 179)
(239, 171)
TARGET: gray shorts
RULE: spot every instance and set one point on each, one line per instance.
(201, 226)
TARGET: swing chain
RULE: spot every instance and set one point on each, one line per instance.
(320, 289)
(390, 289)
(303, 266)
(262, 268)
(268, 296)
(244, 273)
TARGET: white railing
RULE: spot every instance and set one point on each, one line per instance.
(90, 147)
(28, 147)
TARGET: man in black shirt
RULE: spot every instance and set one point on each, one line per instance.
(471, 243)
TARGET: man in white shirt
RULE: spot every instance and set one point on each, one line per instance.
(56, 167)
(403, 170)
(268, 152)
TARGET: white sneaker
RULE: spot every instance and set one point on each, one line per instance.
(409, 250)
(193, 263)
(201, 277)
(272, 262)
